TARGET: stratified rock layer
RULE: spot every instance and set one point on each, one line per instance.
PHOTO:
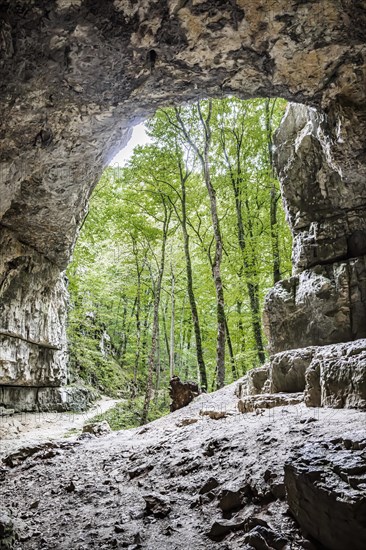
(326, 491)
(33, 317)
(324, 196)
(330, 376)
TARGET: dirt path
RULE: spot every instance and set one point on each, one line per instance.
(31, 428)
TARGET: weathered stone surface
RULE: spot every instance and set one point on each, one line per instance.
(324, 196)
(257, 379)
(326, 491)
(256, 403)
(97, 428)
(32, 317)
(107, 479)
(64, 398)
(336, 377)
(325, 203)
(320, 306)
(287, 370)
(182, 393)
(7, 531)
(330, 376)
(87, 70)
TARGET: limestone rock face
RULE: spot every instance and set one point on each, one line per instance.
(336, 376)
(287, 370)
(326, 491)
(324, 196)
(322, 305)
(33, 315)
(330, 376)
(87, 71)
(35, 399)
(324, 201)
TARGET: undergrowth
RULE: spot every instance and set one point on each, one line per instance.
(127, 413)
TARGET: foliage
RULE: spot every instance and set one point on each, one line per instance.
(127, 414)
(151, 220)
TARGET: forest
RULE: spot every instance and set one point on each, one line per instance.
(176, 254)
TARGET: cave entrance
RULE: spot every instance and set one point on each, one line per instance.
(89, 70)
(180, 246)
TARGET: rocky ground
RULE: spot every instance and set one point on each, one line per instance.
(189, 480)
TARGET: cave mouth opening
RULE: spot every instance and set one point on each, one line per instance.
(185, 234)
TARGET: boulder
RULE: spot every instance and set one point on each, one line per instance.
(322, 305)
(257, 379)
(157, 505)
(97, 428)
(256, 403)
(7, 531)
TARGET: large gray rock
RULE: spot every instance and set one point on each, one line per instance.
(325, 204)
(7, 531)
(320, 306)
(326, 491)
(32, 317)
(255, 403)
(64, 398)
(257, 379)
(287, 370)
(336, 376)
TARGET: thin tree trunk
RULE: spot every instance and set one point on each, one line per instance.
(166, 339)
(138, 331)
(231, 352)
(145, 332)
(241, 338)
(172, 323)
(155, 329)
(274, 197)
(188, 348)
(249, 272)
(191, 295)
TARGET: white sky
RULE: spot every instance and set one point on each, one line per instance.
(139, 137)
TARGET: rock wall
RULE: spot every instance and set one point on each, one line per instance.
(77, 74)
(33, 315)
(324, 196)
(33, 318)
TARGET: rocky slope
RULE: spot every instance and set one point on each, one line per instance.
(188, 480)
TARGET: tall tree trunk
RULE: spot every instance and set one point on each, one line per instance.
(155, 328)
(172, 324)
(145, 332)
(241, 338)
(231, 352)
(248, 271)
(188, 348)
(274, 197)
(166, 339)
(138, 331)
(191, 295)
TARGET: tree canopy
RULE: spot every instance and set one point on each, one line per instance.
(178, 251)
